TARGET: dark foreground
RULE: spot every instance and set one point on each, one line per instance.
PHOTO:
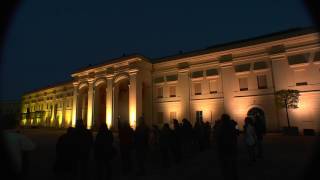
(285, 158)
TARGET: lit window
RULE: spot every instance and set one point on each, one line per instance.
(213, 86)
(262, 82)
(160, 92)
(243, 84)
(172, 91)
(197, 88)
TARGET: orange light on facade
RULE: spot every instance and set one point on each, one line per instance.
(133, 117)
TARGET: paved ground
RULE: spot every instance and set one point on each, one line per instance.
(285, 158)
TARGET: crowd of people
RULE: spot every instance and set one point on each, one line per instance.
(172, 142)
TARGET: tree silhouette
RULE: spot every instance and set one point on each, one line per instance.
(288, 99)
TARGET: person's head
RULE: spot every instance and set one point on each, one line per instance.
(225, 117)
(79, 124)
(103, 127)
(248, 120)
(69, 130)
(141, 121)
(166, 126)
(175, 122)
(155, 126)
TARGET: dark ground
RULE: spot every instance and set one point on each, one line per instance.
(285, 158)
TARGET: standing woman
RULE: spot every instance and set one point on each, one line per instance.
(104, 152)
(250, 138)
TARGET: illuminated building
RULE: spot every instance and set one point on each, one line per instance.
(235, 78)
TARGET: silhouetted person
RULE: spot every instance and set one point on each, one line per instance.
(17, 148)
(104, 152)
(65, 159)
(165, 142)
(207, 133)
(82, 141)
(187, 135)
(141, 143)
(126, 139)
(176, 141)
(226, 137)
(199, 134)
(250, 138)
(154, 136)
(260, 128)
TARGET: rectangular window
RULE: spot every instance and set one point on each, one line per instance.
(262, 82)
(213, 86)
(197, 88)
(198, 115)
(298, 59)
(172, 77)
(260, 65)
(243, 84)
(197, 74)
(212, 72)
(173, 115)
(242, 67)
(172, 90)
(160, 118)
(160, 92)
(159, 80)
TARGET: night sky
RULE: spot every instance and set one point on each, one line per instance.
(48, 40)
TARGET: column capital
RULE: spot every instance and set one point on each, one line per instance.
(90, 81)
(279, 56)
(109, 76)
(185, 70)
(76, 83)
(133, 71)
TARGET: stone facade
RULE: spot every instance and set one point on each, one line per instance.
(232, 78)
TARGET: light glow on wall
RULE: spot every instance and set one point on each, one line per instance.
(89, 119)
(67, 117)
(133, 117)
(109, 118)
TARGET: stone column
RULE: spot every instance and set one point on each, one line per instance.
(75, 103)
(184, 93)
(109, 101)
(135, 98)
(90, 104)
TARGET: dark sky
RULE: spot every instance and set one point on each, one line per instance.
(47, 40)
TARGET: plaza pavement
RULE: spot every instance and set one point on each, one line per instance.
(285, 158)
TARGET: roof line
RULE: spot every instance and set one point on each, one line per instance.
(48, 87)
(110, 61)
(241, 43)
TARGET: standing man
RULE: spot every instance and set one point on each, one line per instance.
(226, 137)
(141, 138)
(260, 128)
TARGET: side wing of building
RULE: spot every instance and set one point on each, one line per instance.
(240, 79)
